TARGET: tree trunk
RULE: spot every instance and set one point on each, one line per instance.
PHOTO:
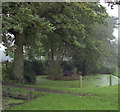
(84, 68)
(52, 56)
(52, 52)
(18, 66)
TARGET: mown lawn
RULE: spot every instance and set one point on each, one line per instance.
(88, 82)
(98, 80)
(89, 97)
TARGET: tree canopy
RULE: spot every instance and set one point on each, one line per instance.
(57, 31)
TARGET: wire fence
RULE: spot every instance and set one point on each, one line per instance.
(111, 80)
(114, 80)
(107, 79)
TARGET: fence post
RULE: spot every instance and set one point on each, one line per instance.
(80, 83)
(110, 79)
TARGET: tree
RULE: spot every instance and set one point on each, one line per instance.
(104, 33)
(22, 20)
(72, 28)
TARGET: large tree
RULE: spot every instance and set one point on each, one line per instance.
(23, 22)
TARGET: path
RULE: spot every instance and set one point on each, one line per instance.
(46, 90)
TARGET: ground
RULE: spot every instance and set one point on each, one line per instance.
(62, 95)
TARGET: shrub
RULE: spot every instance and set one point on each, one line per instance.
(105, 69)
(33, 68)
(62, 77)
(7, 74)
(114, 70)
(54, 69)
(39, 67)
(29, 73)
(67, 66)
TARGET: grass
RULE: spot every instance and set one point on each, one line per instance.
(88, 81)
(10, 101)
(14, 90)
(14, 96)
(103, 97)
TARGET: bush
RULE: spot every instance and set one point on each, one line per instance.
(39, 67)
(105, 70)
(29, 73)
(54, 68)
(67, 66)
(62, 77)
(31, 69)
(114, 70)
(118, 73)
(7, 74)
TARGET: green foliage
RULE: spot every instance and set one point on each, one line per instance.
(104, 33)
(54, 69)
(103, 69)
(7, 73)
(118, 73)
(69, 33)
(100, 48)
(29, 74)
(39, 67)
(52, 30)
(119, 54)
(15, 20)
(67, 66)
(32, 69)
(61, 77)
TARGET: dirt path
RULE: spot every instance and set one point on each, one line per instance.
(46, 90)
